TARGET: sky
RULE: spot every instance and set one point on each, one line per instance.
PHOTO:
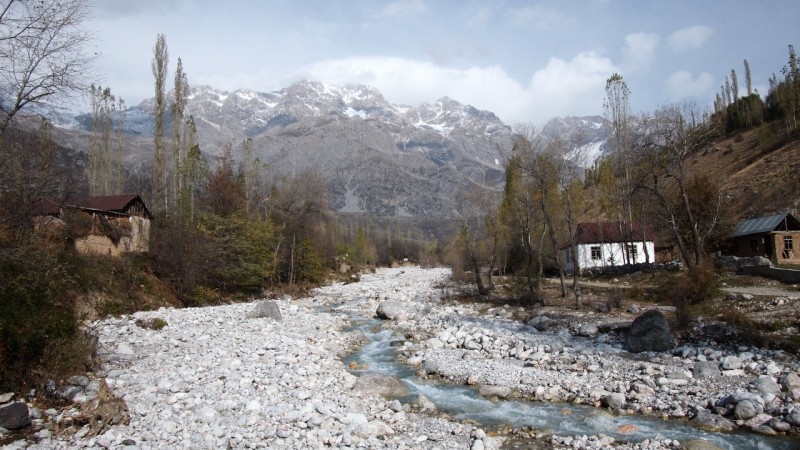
(526, 61)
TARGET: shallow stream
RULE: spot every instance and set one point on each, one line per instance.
(563, 419)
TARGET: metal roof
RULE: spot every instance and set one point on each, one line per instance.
(759, 225)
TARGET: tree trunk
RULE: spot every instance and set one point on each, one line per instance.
(478, 279)
(291, 261)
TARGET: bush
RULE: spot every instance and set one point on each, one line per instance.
(614, 299)
(691, 288)
(40, 336)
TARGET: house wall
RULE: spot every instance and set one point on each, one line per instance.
(768, 245)
(612, 254)
(136, 238)
(783, 254)
(752, 245)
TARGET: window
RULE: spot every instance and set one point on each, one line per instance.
(597, 253)
(631, 252)
(753, 247)
(787, 243)
(568, 256)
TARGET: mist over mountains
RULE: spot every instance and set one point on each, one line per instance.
(378, 158)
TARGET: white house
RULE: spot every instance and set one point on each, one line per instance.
(610, 244)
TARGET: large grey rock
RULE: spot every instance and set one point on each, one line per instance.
(14, 416)
(705, 369)
(541, 323)
(391, 310)
(265, 309)
(744, 410)
(650, 332)
(425, 404)
(587, 330)
(790, 381)
(494, 391)
(767, 385)
(793, 417)
(709, 421)
(731, 363)
(699, 444)
(381, 384)
(615, 401)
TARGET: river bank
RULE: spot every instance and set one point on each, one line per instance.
(214, 378)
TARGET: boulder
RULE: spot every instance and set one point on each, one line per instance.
(767, 385)
(425, 404)
(650, 332)
(588, 330)
(541, 323)
(745, 410)
(265, 309)
(390, 310)
(731, 363)
(494, 391)
(14, 416)
(615, 401)
(709, 421)
(705, 369)
(381, 384)
(790, 381)
(699, 444)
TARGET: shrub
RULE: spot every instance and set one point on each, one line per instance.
(614, 299)
(39, 331)
(689, 289)
(155, 323)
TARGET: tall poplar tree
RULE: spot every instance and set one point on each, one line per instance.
(180, 97)
(747, 79)
(159, 67)
(734, 86)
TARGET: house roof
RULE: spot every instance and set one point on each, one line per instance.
(114, 203)
(609, 232)
(107, 203)
(765, 224)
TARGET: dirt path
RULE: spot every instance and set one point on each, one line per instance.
(763, 291)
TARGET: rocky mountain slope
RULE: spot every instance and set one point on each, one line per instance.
(378, 158)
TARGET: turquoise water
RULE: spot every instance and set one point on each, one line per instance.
(563, 419)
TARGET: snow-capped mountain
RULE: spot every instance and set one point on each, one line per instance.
(379, 158)
(589, 132)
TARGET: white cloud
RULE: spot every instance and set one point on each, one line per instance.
(690, 38)
(684, 85)
(573, 87)
(640, 49)
(401, 8)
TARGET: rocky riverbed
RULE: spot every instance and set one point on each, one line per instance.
(216, 378)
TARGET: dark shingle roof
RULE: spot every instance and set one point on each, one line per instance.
(115, 203)
(765, 224)
(108, 203)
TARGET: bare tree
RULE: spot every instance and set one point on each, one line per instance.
(675, 134)
(105, 155)
(479, 232)
(42, 54)
(297, 207)
(526, 232)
